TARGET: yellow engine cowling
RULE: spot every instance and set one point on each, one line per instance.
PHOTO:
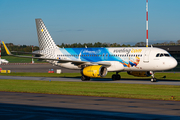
(139, 73)
(94, 71)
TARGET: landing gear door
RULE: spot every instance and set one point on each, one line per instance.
(146, 56)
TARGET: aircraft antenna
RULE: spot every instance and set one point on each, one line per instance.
(146, 23)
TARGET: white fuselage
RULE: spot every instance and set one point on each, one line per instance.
(121, 59)
(3, 61)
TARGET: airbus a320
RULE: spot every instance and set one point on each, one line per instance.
(97, 62)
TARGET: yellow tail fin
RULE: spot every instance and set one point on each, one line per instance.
(7, 50)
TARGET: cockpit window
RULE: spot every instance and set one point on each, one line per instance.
(157, 55)
(167, 55)
(162, 55)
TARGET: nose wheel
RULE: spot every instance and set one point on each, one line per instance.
(153, 79)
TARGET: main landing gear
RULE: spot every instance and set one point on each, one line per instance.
(116, 76)
(153, 79)
(85, 78)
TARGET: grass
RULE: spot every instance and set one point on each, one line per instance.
(118, 90)
(124, 75)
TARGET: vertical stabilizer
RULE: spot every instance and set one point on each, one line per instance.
(44, 38)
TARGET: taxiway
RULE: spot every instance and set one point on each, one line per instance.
(46, 106)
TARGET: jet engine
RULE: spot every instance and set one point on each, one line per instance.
(94, 71)
(139, 73)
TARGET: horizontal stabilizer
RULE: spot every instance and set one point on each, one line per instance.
(37, 54)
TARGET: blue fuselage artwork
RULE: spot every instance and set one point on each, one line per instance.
(99, 54)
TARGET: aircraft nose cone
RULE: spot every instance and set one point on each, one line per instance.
(173, 63)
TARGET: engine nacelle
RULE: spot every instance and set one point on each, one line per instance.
(94, 71)
(139, 73)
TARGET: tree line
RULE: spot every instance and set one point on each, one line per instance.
(28, 48)
(159, 44)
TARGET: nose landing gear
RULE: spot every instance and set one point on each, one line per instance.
(153, 79)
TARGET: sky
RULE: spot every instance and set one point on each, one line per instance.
(90, 21)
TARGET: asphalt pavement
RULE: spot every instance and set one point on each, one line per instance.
(18, 106)
(38, 68)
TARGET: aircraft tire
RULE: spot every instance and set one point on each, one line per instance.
(116, 77)
(113, 77)
(85, 78)
(88, 78)
(153, 79)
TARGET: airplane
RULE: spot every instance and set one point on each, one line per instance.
(97, 62)
(3, 61)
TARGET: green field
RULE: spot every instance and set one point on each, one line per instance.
(12, 59)
(118, 90)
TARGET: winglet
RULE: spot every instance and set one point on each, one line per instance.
(7, 50)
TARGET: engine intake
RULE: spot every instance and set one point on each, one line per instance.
(94, 71)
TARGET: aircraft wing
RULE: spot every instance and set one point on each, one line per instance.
(76, 62)
(66, 60)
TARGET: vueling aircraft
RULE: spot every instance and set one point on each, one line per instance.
(97, 62)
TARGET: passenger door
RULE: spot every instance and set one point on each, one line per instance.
(146, 56)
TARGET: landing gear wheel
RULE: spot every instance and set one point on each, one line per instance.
(153, 79)
(116, 77)
(113, 77)
(85, 78)
(88, 78)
